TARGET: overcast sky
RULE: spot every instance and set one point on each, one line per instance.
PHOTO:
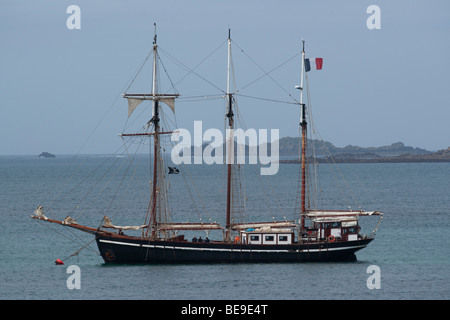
(61, 88)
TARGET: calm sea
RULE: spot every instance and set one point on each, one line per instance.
(412, 247)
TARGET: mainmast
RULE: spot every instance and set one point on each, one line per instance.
(303, 125)
(230, 140)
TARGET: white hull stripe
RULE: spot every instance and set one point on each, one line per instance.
(222, 249)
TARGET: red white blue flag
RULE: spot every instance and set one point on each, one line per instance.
(318, 62)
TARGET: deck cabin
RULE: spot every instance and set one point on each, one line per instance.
(269, 236)
(329, 226)
(334, 229)
(322, 229)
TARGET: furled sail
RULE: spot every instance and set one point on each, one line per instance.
(325, 213)
(108, 224)
(39, 212)
(189, 226)
(272, 224)
(69, 220)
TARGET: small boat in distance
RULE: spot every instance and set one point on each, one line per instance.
(317, 235)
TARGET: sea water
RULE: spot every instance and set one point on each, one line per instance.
(411, 251)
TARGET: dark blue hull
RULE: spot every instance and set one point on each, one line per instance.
(119, 249)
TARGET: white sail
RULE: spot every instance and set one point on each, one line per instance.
(170, 102)
(134, 101)
(132, 104)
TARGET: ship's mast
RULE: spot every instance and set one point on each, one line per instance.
(230, 140)
(134, 100)
(155, 121)
(303, 125)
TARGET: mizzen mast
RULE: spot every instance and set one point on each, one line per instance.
(303, 125)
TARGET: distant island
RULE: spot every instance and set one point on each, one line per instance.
(47, 155)
(326, 152)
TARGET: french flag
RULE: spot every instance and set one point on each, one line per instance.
(317, 61)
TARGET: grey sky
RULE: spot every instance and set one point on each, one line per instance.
(60, 87)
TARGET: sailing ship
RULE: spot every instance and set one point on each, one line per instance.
(317, 235)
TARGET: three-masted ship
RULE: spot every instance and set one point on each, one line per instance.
(318, 235)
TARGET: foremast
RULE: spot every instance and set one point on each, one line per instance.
(133, 101)
(155, 121)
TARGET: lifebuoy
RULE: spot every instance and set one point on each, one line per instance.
(331, 238)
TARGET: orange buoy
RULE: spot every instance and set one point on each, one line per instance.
(58, 261)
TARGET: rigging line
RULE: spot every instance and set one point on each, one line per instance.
(139, 70)
(334, 164)
(93, 187)
(192, 70)
(311, 175)
(200, 98)
(120, 184)
(267, 72)
(315, 164)
(168, 194)
(238, 187)
(192, 184)
(165, 181)
(298, 194)
(79, 183)
(165, 70)
(77, 238)
(114, 102)
(98, 124)
(144, 109)
(105, 186)
(242, 124)
(147, 213)
(167, 121)
(266, 99)
(265, 186)
(83, 247)
(241, 176)
(130, 189)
